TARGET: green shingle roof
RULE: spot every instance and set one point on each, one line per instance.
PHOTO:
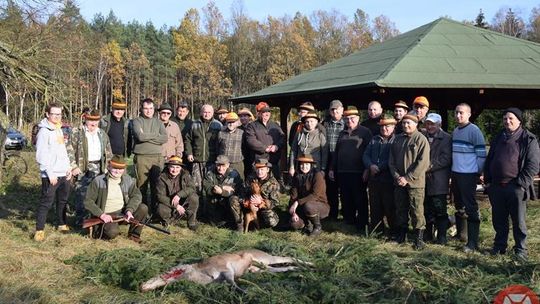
(440, 54)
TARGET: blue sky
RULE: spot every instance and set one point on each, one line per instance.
(405, 14)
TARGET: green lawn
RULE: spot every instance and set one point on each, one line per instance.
(349, 268)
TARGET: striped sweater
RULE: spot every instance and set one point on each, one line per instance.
(468, 149)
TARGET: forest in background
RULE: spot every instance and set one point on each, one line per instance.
(205, 58)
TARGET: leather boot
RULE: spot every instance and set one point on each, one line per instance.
(192, 221)
(401, 235)
(461, 226)
(428, 233)
(419, 239)
(442, 225)
(317, 227)
(472, 237)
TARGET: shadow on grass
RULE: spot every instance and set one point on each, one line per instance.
(22, 294)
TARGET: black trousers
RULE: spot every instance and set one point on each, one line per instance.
(48, 193)
(354, 199)
(507, 201)
(332, 194)
(465, 190)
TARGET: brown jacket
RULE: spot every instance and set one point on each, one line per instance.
(259, 136)
(175, 144)
(440, 155)
(409, 157)
(309, 187)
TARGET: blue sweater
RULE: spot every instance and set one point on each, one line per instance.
(468, 149)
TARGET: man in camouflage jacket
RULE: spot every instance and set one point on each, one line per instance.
(223, 188)
(90, 153)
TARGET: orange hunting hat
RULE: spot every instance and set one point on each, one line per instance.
(421, 100)
(231, 117)
(262, 107)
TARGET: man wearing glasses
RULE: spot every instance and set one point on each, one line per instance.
(174, 145)
(54, 165)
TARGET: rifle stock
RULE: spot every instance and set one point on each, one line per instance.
(97, 221)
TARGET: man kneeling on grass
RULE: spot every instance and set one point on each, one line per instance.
(113, 195)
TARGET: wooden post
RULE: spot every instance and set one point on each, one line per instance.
(283, 114)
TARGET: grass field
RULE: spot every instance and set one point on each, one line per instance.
(349, 268)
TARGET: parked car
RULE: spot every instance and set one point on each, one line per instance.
(15, 139)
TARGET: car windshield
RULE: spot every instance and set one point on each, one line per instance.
(12, 130)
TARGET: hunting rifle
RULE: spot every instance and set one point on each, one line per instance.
(87, 223)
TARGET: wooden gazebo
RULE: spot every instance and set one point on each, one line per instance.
(446, 61)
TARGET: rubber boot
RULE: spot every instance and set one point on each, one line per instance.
(472, 237)
(442, 225)
(401, 236)
(419, 239)
(317, 227)
(192, 221)
(428, 233)
(461, 226)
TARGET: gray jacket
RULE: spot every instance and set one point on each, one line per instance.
(440, 156)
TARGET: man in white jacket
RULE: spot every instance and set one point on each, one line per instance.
(54, 165)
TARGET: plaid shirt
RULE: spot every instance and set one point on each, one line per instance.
(230, 144)
(332, 132)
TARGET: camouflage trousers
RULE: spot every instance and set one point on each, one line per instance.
(198, 171)
(435, 207)
(81, 186)
(409, 201)
(226, 209)
(267, 217)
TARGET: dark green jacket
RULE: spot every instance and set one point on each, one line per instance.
(230, 178)
(202, 140)
(166, 189)
(149, 135)
(96, 196)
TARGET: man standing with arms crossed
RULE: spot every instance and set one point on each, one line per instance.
(468, 157)
(149, 135)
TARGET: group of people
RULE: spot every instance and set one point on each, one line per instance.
(385, 170)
